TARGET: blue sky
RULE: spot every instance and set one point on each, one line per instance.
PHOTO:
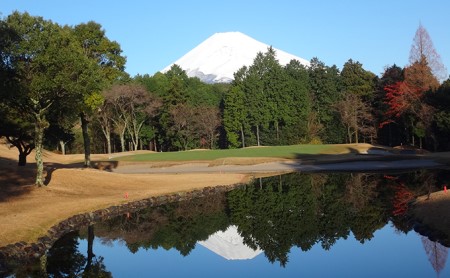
(154, 34)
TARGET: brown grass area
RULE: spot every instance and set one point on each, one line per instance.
(28, 212)
(434, 212)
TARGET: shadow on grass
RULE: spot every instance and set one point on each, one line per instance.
(15, 180)
(374, 159)
(19, 180)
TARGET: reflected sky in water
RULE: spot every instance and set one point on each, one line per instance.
(388, 254)
(306, 225)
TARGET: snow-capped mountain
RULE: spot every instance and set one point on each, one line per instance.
(230, 245)
(221, 55)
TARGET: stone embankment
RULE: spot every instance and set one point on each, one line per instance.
(23, 252)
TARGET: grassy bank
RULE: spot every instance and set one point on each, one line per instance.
(288, 152)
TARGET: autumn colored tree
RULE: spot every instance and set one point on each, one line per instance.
(406, 99)
(388, 133)
(403, 196)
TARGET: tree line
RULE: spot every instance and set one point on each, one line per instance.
(65, 88)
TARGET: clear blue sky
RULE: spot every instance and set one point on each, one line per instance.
(154, 34)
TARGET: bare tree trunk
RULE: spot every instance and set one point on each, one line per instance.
(242, 136)
(257, 135)
(90, 249)
(122, 141)
(278, 132)
(86, 140)
(349, 134)
(62, 144)
(38, 139)
(22, 159)
(24, 149)
(107, 133)
(108, 144)
(211, 141)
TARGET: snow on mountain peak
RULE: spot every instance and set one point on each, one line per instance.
(217, 58)
(230, 245)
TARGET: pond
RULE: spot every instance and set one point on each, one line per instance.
(294, 225)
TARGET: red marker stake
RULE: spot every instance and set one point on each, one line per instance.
(126, 195)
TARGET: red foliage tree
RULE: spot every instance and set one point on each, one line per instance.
(406, 97)
(401, 98)
(401, 200)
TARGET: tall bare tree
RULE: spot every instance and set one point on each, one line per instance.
(437, 254)
(208, 120)
(133, 106)
(423, 49)
(356, 116)
(184, 127)
(104, 117)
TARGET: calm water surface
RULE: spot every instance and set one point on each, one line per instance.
(295, 225)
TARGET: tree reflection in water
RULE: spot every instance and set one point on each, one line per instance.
(274, 214)
(65, 260)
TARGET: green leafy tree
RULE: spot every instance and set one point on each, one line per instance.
(257, 94)
(300, 128)
(235, 113)
(441, 102)
(173, 92)
(106, 55)
(324, 84)
(18, 129)
(356, 80)
(358, 86)
(45, 59)
(15, 125)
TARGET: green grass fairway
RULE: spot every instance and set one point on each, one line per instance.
(288, 152)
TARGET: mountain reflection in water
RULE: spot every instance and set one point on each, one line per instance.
(350, 224)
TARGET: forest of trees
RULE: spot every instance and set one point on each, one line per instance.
(65, 88)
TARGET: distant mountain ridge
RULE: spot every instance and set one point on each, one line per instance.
(216, 59)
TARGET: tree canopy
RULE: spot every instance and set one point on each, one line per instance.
(54, 77)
